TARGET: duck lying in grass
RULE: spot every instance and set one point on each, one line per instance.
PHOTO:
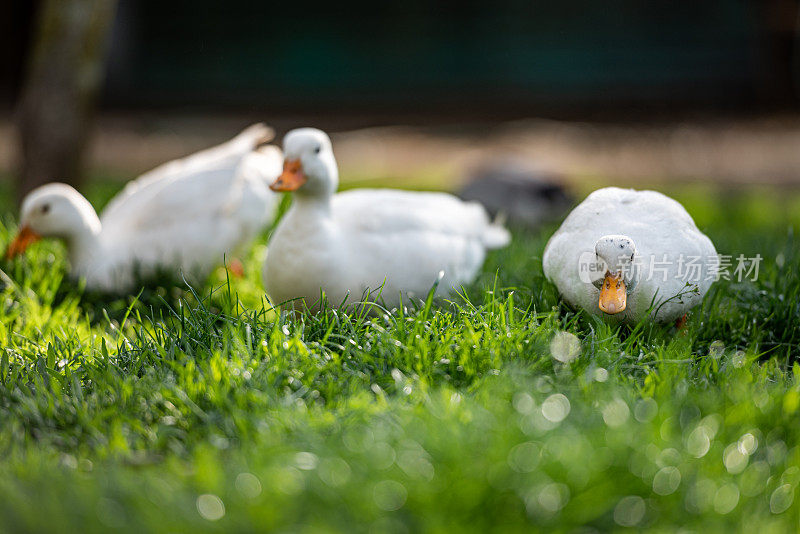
(375, 243)
(181, 218)
(623, 254)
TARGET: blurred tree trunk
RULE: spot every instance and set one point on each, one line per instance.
(64, 72)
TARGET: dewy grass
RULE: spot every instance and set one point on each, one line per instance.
(500, 409)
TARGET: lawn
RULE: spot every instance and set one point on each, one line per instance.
(499, 410)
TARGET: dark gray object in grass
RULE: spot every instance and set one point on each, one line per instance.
(528, 195)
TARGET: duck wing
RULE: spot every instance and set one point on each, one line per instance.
(389, 211)
(194, 210)
(413, 235)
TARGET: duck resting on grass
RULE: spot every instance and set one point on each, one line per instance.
(179, 219)
(378, 245)
(624, 254)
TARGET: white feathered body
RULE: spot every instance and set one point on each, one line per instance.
(386, 242)
(185, 216)
(677, 262)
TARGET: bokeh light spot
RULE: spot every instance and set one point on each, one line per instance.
(781, 499)
(616, 413)
(210, 507)
(645, 410)
(553, 497)
(667, 480)
(716, 349)
(524, 457)
(600, 374)
(556, 408)
(389, 495)
(523, 403)
(334, 472)
(565, 347)
(738, 359)
(748, 444)
(248, 485)
(734, 460)
(754, 479)
(306, 461)
(698, 442)
(630, 511)
(726, 498)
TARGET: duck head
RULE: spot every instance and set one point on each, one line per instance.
(54, 210)
(309, 167)
(618, 252)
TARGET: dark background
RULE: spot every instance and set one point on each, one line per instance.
(506, 58)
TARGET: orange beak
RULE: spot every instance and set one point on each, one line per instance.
(613, 295)
(292, 177)
(24, 239)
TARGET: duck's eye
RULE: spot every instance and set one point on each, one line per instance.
(631, 257)
(46, 208)
(317, 149)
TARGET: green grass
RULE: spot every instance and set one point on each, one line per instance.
(207, 410)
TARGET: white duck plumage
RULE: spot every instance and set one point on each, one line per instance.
(643, 241)
(181, 218)
(379, 240)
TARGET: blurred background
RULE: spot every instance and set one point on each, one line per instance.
(424, 95)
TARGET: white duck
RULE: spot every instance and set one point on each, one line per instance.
(181, 218)
(378, 243)
(622, 251)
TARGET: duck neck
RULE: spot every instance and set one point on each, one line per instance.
(313, 206)
(83, 241)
